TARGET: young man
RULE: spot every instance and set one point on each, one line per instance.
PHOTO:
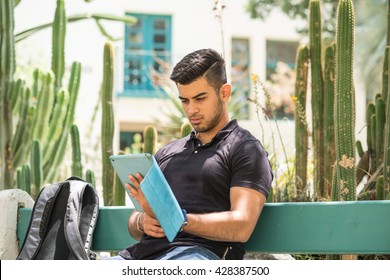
(220, 173)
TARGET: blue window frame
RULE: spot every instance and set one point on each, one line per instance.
(147, 48)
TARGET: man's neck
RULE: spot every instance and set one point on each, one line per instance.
(206, 137)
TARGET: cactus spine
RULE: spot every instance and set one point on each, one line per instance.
(301, 127)
(150, 139)
(345, 102)
(77, 167)
(317, 91)
(107, 128)
(329, 137)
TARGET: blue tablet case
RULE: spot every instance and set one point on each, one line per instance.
(155, 188)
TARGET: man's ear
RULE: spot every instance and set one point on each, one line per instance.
(226, 91)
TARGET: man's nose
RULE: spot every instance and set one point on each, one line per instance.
(192, 109)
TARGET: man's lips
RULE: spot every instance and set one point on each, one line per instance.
(195, 120)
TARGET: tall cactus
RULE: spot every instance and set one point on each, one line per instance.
(36, 168)
(7, 69)
(150, 139)
(317, 94)
(77, 167)
(380, 111)
(385, 74)
(58, 43)
(301, 126)
(107, 128)
(345, 102)
(329, 137)
(386, 155)
(90, 177)
(44, 105)
(51, 166)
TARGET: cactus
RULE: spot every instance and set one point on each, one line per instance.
(185, 129)
(7, 69)
(379, 127)
(45, 101)
(386, 152)
(36, 168)
(21, 128)
(373, 139)
(90, 177)
(107, 128)
(23, 178)
(51, 166)
(379, 188)
(77, 167)
(301, 127)
(150, 139)
(329, 137)
(119, 193)
(317, 91)
(345, 102)
(55, 127)
(58, 43)
(136, 146)
(385, 74)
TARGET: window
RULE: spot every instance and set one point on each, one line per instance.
(240, 77)
(280, 77)
(147, 50)
(131, 141)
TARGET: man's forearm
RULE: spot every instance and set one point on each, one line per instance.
(227, 226)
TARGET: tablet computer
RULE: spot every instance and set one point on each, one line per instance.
(155, 188)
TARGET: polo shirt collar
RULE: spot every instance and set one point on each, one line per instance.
(223, 133)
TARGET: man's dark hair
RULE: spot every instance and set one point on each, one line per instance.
(201, 63)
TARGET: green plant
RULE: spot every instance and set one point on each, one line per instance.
(345, 102)
(90, 177)
(185, 129)
(36, 168)
(301, 126)
(150, 139)
(77, 167)
(317, 95)
(329, 133)
(107, 128)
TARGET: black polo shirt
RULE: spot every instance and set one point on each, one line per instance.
(201, 177)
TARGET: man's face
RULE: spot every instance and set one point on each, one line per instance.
(203, 106)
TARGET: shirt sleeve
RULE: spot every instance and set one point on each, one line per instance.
(251, 167)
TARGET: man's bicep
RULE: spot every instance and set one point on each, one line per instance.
(247, 201)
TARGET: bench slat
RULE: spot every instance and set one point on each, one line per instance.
(360, 227)
(327, 227)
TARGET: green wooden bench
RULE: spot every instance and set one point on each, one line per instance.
(360, 227)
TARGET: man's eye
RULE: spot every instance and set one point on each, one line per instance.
(200, 99)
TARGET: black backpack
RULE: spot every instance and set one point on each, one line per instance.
(62, 223)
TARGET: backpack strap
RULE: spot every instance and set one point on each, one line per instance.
(80, 242)
(38, 222)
